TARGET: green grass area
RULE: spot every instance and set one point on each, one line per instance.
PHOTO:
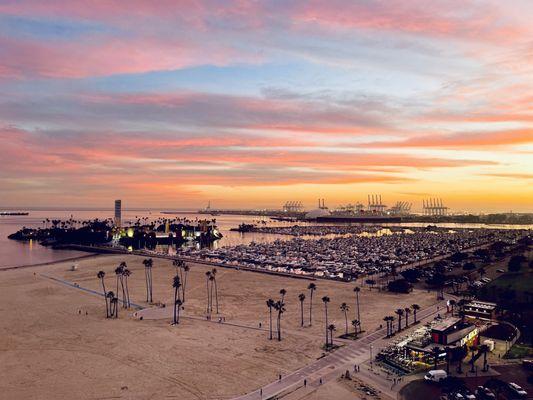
(521, 282)
(520, 351)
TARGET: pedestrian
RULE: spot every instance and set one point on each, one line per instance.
(321, 381)
(260, 325)
(261, 392)
(305, 382)
(280, 377)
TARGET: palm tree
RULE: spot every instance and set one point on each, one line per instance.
(356, 325)
(452, 303)
(214, 276)
(448, 358)
(280, 308)
(436, 352)
(399, 313)
(386, 320)
(415, 308)
(118, 273)
(312, 288)
(212, 280)
(331, 328)
(114, 301)
(326, 300)
(179, 303)
(186, 269)
(407, 312)
(110, 296)
(344, 308)
(301, 297)
(282, 292)
(176, 284)
(207, 276)
(357, 289)
(100, 275)
(484, 349)
(148, 264)
(127, 273)
(270, 304)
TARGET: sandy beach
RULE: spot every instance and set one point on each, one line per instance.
(55, 341)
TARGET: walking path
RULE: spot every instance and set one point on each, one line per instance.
(345, 358)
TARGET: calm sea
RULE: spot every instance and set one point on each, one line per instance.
(13, 253)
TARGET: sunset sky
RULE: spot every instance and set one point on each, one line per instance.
(252, 103)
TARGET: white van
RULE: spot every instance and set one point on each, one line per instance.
(436, 375)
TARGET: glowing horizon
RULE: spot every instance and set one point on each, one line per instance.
(251, 104)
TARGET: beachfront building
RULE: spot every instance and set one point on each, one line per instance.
(454, 332)
(480, 310)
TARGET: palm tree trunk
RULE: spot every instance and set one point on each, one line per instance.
(346, 321)
(105, 297)
(146, 279)
(207, 287)
(124, 304)
(358, 311)
(127, 292)
(279, 326)
(184, 284)
(151, 285)
(216, 294)
(414, 315)
(302, 312)
(175, 303)
(326, 326)
(270, 309)
(311, 309)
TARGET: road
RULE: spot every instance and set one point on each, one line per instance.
(340, 360)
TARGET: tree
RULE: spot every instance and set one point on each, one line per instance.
(282, 293)
(127, 273)
(176, 284)
(100, 275)
(452, 303)
(280, 308)
(344, 308)
(448, 357)
(207, 276)
(415, 308)
(270, 305)
(148, 264)
(386, 320)
(114, 301)
(119, 271)
(186, 269)
(326, 300)
(436, 352)
(212, 281)
(110, 296)
(214, 276)
(399, 313)
(484, 349)
(331, 328)
(312, 288)
(356, 326)
(356, 290)
(370, 283)
(515, 263)
(301, 297)
(407, 311)
(400, 286)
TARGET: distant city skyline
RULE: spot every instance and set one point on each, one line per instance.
(174, 104)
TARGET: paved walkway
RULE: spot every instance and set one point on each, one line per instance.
(331, 366)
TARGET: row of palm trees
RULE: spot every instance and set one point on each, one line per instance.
(111, 299)
(212, 288)
(279, 306)
(401, 312)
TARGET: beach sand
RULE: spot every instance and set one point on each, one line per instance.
(48, 350)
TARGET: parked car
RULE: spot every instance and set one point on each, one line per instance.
(517, 390)
(485, 394)
(436, 375)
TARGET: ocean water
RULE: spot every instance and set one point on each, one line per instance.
(14, 253)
